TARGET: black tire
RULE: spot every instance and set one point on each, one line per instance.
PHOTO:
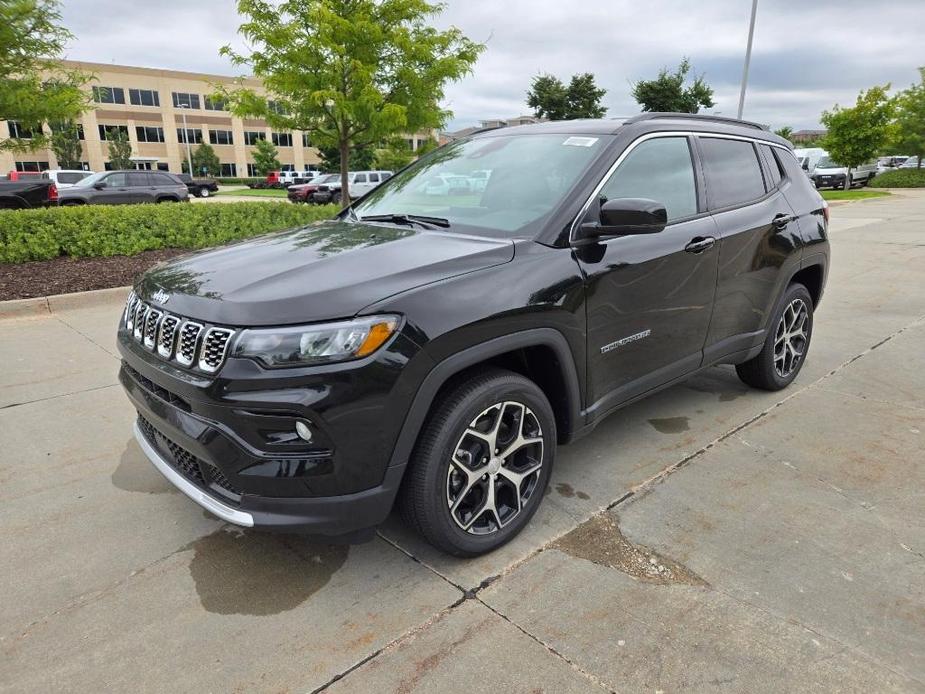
(204, 193)
(160, 200)
(763, 371)
(336, 198)
(425, 495)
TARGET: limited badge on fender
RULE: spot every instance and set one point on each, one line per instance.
(625, 341)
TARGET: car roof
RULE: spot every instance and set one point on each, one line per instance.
(648, 122)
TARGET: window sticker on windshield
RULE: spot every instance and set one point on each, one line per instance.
(575, 141)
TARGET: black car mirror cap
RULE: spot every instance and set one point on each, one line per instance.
(626, 217)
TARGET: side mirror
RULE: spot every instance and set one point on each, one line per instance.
(626, 216)
(99, 186)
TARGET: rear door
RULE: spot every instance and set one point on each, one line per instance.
(759, 240)
(141, 186)
(649, 296)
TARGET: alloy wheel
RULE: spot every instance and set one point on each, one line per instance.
(790, 338)
(495, 468)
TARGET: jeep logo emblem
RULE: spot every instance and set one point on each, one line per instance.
(160, 296)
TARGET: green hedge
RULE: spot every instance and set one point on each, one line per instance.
(238, 181)
(900, 178)
(101, 230)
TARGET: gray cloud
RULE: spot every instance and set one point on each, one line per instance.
(807, 56)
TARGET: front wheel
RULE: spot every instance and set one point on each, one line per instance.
(204, 192)
(786, 344)
(483, 459)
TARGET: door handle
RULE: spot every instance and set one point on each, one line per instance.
(699, 244)
(782, 220)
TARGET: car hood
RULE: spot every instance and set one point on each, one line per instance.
(828, 171)
(321, 272)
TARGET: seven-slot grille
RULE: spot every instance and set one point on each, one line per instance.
(173, 338)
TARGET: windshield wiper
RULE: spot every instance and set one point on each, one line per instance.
(409, 219)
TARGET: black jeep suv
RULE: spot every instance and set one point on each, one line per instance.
(433, 344)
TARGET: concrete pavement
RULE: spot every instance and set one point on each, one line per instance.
(709, 538)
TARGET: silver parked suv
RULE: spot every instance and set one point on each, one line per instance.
(123, 187)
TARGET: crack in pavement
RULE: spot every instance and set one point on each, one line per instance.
(84, 335)
(59, 395)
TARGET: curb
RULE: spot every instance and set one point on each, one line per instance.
(47, 305)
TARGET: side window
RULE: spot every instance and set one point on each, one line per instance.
(163, 180)
(138, 180)
(374, 178)
(732, 171)
(660, 169)
(116, 180)
(385, 176)
(773, 165)
(361, 178)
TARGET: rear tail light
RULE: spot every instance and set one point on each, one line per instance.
(52, 193)
(825, 212)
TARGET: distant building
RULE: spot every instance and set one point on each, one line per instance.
(490, 123)
(148, 105)
(806, 135)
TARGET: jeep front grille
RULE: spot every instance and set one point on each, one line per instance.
(176, 339)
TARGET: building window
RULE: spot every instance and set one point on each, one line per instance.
(276, 107)
(192, 136)
(149, 134)
(410, 142)
(143, 97)
(251, 136)
(221, 137)
(31, 166)
(183, 100)
(252, 170)
(215, 104)
(108, 131)
(109, 95)
(282, 139)
(19, 131)
(305, 140)
(228, 170)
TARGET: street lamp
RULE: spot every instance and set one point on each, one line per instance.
(189, 154)
(748, 57)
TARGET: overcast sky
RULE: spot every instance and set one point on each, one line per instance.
(808, 54)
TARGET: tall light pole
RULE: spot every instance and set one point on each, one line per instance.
(748, 57)
(189, 154)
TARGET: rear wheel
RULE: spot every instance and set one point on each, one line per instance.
(479, 469)
(786, 344)
(204, 192)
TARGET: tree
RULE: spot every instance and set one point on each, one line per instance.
(785, 132)
(550, 98)
(426, 146)
(120, 149)
(65, 143)
(265, 157)
(394, 156)
(205, 160)
(360, 158)
(350, 72)
(667, 93)
(856, 134)
(33, 87)
(910, 120)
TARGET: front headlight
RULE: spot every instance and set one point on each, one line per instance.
(316, 344)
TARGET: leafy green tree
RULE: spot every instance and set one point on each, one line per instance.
(120, 149)
(265, 157)
(205, 160)
(350, 72)
(856, 134)
(426, 146)
(394, 156)
(910, 120)
(550, 98)
(667, 93)
(785, 132)
(361, 158)
(65, 143)
(33, 87)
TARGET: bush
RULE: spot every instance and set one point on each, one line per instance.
(900, 178)
(238, 181)
(100, 230)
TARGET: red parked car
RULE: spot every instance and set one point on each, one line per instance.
(303, 191)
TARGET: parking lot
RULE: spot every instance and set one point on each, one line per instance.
(709, 538)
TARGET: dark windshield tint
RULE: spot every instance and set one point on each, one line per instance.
(501, 183)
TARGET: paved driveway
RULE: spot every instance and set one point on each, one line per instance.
(711, 538)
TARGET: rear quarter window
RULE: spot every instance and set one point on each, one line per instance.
(732, 171)
(773, 166)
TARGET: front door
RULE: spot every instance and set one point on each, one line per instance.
(649, 296)
(116, 190)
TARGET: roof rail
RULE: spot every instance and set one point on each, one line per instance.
(694, 116)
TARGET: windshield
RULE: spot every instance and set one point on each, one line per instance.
(327, 178)
(828, 163)
(503, 182)
(89, 181)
